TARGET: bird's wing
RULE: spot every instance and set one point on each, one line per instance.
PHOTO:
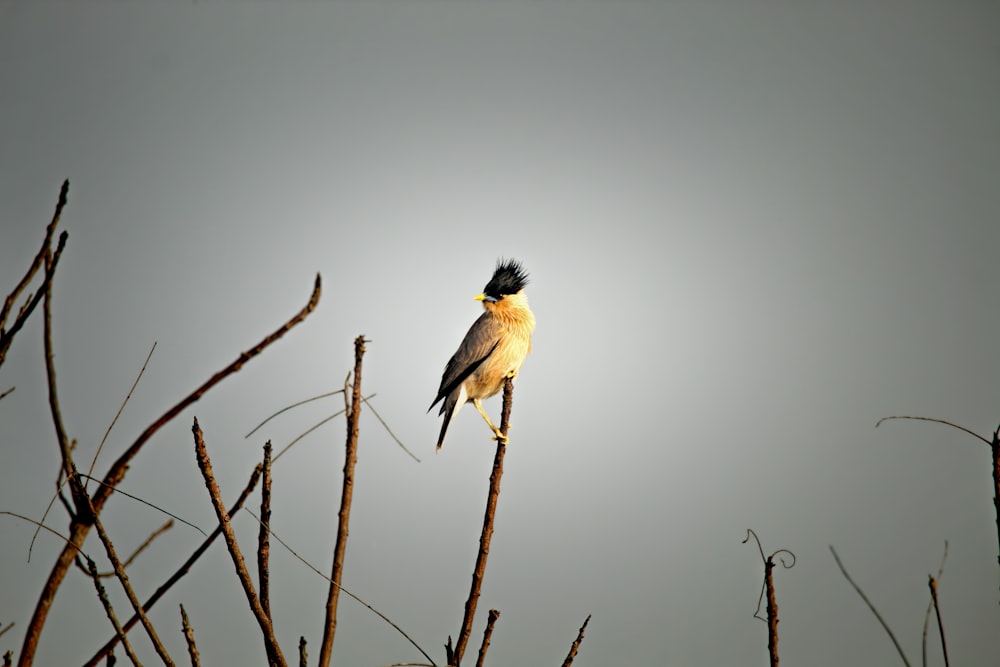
(478, 345)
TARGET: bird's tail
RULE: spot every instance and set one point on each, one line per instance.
(451, 405)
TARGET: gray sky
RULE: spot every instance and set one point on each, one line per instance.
(752, 230)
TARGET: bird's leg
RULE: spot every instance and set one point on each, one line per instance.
(496, 432)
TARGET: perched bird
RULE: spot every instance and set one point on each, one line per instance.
(494, 348)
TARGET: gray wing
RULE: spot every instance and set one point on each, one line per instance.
(479, 343)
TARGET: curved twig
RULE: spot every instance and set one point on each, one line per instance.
(871, 606)
(936, 421)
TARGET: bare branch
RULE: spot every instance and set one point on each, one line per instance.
(491, 620)
(205, 465)
(576, 644)
(303, 656)
(189, 638)
(109, 548)
(142, 547)
(149, 504)
(487, 534)
(263, 545)
(183, 570)
(344, 517)
(110, 611)
(932, 584)
(868, 602)
(387, 429)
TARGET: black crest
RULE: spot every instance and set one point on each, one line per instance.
(509, 278)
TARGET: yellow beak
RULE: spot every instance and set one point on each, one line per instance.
(480, 297)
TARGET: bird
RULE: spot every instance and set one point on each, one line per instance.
(493, 349)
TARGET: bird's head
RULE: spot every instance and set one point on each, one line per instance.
(508, 279)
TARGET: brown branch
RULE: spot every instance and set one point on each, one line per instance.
(868, 602)
(768, 589)
(5, 628)
(347, 493)
(263, 544)
(932, 584)
(188, 632)
(274, 655)
(303, 656)
(110, 611)
(576, 644)
(109, 548)
(79, 530)
(6, 393)
(183, 570)
(491, 619)
(455, 658)
(7, 336)
(995, 452)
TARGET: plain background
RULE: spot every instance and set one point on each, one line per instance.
(753, 229)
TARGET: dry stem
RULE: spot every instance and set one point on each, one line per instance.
(347, 493)
(270, 643)
(189, 638)
(490, 621)
(576, 644)
(455, 657)
(110, 611)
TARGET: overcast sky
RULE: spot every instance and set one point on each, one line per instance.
(752, 229)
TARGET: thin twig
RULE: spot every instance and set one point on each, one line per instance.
(576, 644)
(118, 414)
(6, 393)
(149, 504)
(289, 407)
(110, 611)
(263, 546)
(274, 654)
(303, 656)
(487, 534)
(79, 529)
(930, 606)
(936, 421)
(387, 429)
(932, 584)
(491, 619)
(344, 516)
(41, 526)
(183, 570)
(868, 602)
(345, 591)
(188, 632)
(5, 628)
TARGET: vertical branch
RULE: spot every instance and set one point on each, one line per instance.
(995, 451)
(274, 655)
(772, 612)
(347, 493)
(189, 638)
(932, 584)
(576, 644)
(263, 537)
(490, 621)
(487, 535)
(110, 611)
(303, 656)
